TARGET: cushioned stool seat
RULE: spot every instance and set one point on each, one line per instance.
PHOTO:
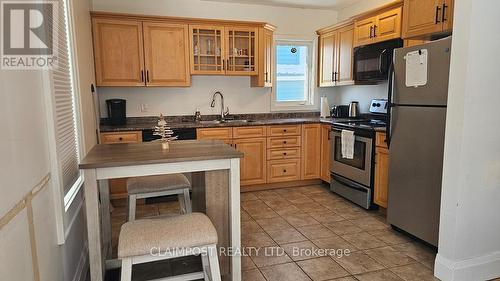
(155, 186)
(137, 238)
(157, 183)
(150, 240)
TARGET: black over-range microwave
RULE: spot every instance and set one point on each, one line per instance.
(371, 62)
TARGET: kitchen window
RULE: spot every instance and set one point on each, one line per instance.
(294, 77)
(63, 126)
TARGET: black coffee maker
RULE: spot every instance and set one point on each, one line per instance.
(117, 114)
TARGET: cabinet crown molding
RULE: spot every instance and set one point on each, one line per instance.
(185, 20)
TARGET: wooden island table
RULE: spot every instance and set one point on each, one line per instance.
(215, 169)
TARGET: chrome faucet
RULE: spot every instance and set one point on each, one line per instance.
(223, 113)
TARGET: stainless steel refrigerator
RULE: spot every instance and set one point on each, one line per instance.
(415, 134)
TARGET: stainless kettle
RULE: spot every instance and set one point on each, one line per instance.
(354, 109)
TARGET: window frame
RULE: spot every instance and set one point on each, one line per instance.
(311, 103)
(63, 200)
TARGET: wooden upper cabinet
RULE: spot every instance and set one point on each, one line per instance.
(388, 25)
(166, 54)
(345, 40)
(423, 18)
(336, 57)
(264, 77)
(118, 52)
(383, 26)
(242, 53)
(311, 151)
(363, 31)
(327, 44)
(223, 50)
(253, 164)
(207, 52)
(268, 58)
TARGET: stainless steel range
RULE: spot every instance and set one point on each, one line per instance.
(353, 178)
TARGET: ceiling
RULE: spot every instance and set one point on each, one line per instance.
(310, 4)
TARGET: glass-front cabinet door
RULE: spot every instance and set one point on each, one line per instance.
(207, 49)
(241, 44)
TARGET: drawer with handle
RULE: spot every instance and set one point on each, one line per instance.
(121, 137)
(249, 132)
(283, 153)
(281, 142)
(283, 170)
(214, 133)
(283, 130)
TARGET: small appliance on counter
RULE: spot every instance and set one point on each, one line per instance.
(117, 113)
(339, 111)
(354, 109)
(324, 107)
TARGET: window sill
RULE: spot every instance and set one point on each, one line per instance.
(293, 107)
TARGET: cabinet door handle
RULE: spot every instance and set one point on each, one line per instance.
(266, 77)
(147, 76)
(375, 31)
(234, 146)
(371, 31)
(335, 76)
(223, 64)
(443, 17)
(142, 75)
(437, 15)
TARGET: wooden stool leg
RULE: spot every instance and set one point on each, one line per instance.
(126, 270)
(213, 259)
(206, 266)
(132, 201)
(187, 201)
(182, 202)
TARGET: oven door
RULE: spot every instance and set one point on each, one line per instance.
(357, 169)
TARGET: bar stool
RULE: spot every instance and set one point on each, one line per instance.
(155, 186)
(149, 240)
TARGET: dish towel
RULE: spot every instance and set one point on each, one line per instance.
(347, 140)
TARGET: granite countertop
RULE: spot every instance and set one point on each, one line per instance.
(176, 122)
(235, 123)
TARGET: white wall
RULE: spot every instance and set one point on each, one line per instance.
(363, 94)
(469, 244)
(24, 163)
(239, 96)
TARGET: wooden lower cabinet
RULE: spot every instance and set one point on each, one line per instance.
(283, 170)
(325, 152)
(381, 171)
(253, 163)
(118, 187)
(277, 153)
(311, 151)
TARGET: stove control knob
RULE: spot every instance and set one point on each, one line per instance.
(378, 105)
(374, 104)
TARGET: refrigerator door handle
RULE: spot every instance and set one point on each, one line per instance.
(390, 105)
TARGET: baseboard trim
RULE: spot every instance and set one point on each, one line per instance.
(267, 186)
(478, 268)
(83, 265)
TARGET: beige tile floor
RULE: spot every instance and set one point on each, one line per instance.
(292, 222)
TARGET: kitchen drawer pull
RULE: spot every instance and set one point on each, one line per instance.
(284, 131)
(284, 142)
(284, 170)
(120, 138)
(443, 17)
(437, 15)
(375, 31)
(284, 153)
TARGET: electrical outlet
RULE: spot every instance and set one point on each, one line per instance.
(144, 107)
